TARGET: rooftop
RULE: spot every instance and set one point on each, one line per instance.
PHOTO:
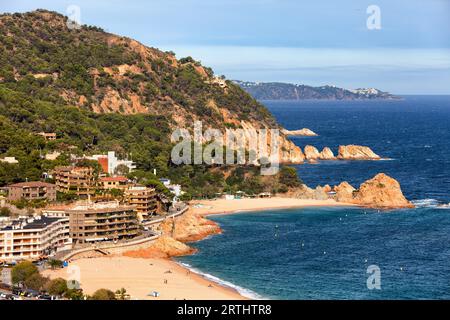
(38, 222)
(114, 179)
(31, 184)
(100, 206)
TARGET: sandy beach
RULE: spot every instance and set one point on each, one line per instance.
(206, 207)
(141, 276)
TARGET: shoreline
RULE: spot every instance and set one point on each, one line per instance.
(235, 206)
(141, 276)
(209, 211)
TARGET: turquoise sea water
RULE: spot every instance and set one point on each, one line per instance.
(324, 253)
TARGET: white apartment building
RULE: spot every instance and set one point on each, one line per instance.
(34, 238)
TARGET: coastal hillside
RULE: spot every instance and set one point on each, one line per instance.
(289, 91)
(106, 73)
(98, 92)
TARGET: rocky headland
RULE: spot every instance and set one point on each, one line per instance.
(175, 232)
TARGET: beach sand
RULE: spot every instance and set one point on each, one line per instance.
(141, 276)
(206, 207)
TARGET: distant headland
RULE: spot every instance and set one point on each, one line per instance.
(289, 91)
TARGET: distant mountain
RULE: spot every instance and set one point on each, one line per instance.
(289, 91)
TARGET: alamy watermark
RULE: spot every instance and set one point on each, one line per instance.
(74, 17)
(73, 277)
(374, 279)
(249, 146)
(374, 20)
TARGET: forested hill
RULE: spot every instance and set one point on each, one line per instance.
(105, 73)
(98, 92)
(289, 91)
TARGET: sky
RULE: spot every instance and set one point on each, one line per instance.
(307, 42)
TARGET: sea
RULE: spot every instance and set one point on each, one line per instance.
(348, 253)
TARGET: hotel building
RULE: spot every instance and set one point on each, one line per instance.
(33, 190)
(34, 238)
(144, 199)
(80, 180)
(108, 183)
(99, 222)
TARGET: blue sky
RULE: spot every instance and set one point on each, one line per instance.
(311, 42)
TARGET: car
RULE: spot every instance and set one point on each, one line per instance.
(3, 295)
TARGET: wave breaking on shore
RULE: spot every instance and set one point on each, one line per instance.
(247, 293)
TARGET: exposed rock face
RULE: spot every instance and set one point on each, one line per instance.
(288, 151)
(355, 152)
(344, 192)
(306, 192)
(311, 153)
(320, 193)
(327, 188)
(327, 154)
(190, 227)
(381, 191)
(302, 132)
(164, 247)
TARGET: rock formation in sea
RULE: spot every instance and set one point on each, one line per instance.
(311, 153)
(381, 191)
(327, 154)
(355, 152)
(301, 132)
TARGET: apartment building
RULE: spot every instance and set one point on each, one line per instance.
(80, 180)
(33, 190)
(91, 223)
(108, 183)
(144, 199)
(34, 238)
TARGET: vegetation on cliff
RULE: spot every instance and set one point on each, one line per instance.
(100, 92)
